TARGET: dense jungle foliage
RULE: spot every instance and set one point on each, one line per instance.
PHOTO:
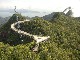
(64, 42)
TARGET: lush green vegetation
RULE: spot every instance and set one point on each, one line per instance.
(64, 42)
(9, 36)
(37, 26)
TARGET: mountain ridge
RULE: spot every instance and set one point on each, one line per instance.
(64, 42)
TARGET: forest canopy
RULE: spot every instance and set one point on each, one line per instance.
(64, 42)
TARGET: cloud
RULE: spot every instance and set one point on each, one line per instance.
(42, 5)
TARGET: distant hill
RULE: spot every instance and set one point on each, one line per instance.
(3, 20)
(54, 14)
(49, 16)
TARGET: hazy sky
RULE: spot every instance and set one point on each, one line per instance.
(42, 5)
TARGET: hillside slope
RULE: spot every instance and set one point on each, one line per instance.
(3, 20)
(48, 17)
(8, 35)
(64, 42)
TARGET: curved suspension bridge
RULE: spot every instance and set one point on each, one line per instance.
(37, 38)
